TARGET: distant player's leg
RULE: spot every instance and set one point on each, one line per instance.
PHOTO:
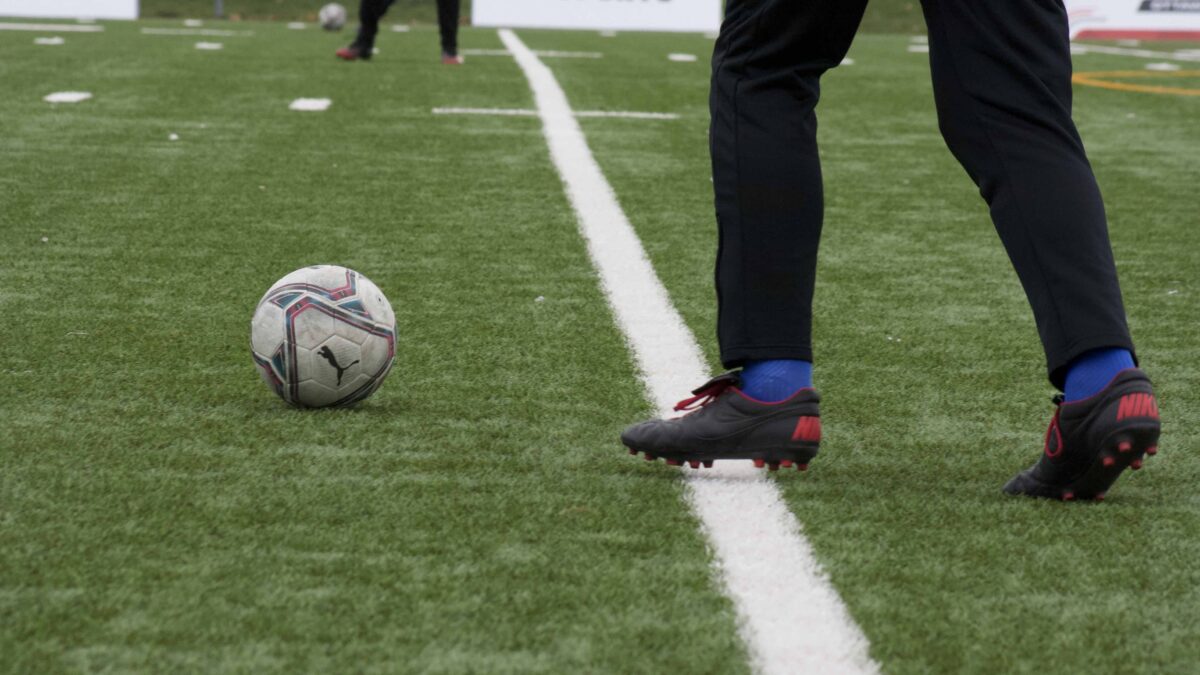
(1002, 82)
(767, 66)
(448, 27)
(369, 14)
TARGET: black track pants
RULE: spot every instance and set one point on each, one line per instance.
(371, 11)
(1002, 84)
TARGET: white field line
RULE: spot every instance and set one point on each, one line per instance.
(310, 104)
(545, 54)
(67, 97)
(1181, 55)
(790, 617)
(207, 32)
(525, 112)
(52, 27)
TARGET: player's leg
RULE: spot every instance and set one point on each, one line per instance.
(448, 11)
(1002, 82)
(767, 178)
(369, 14)
(767, 66)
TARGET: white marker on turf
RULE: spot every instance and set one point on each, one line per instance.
(918, 49)
(296, 25)
(400, 28)
(209, 46)
(1163, 67)
(544, 54)
(48, 41)
(52, 27)
(682, 58)
(206, 32)
(790, 617)
(525, 112)
(67, 97)
(310, 104)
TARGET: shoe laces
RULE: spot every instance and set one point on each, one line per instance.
(708, 392)
(1054, 431)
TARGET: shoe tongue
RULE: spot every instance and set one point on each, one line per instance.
(729, 379)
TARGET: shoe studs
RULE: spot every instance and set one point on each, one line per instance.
(1136, 464)
(1152, 450)
(1109, 460)
(1124, 446)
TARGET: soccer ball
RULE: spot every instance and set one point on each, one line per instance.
(323, 336)
(332, 16)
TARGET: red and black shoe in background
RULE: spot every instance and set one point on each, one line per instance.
(724, 423)
(357, 51)
(1090, 442)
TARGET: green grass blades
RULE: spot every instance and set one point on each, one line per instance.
(161, 510)
(928, 361)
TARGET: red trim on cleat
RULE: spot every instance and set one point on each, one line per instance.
(1068, 496)
(787, 463)
(759, 463)
(1135, 464)
(708, 464)
(674, 462)
(1152, 450)
(694, 463)
(1124, 446)
(1099, 496)
(1109, 461)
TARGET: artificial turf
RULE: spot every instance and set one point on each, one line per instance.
(161, 510)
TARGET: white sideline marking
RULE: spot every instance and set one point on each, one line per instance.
(400, 28)
(525, 112)
(52, 27)
(193, 23)
(790, 617)
(545, 54)
(1181, 55)
(682, 58)
(67, 97)
(209, 46)
(918, 49)
(207, 32)
(310, 104)
(1163, 67)
(48, 41)
(296, 25)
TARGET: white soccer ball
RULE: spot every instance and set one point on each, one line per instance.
(332, 16)
(323, 336)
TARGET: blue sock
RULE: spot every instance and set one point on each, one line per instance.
(1089, 373)
(775, 379)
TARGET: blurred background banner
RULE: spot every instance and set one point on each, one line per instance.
(663, 15)
(71, 9)
(1134, 19)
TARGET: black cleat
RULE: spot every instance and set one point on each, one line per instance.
(727, 424)
(1090, 442)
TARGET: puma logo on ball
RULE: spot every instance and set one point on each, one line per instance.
(327, 354)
